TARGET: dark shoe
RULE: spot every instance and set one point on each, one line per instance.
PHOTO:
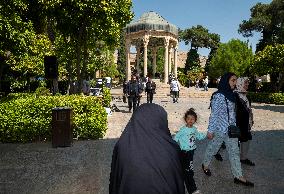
(206, 171)
(247, 162)
(223, 146)
(246, 183)
(218, 157)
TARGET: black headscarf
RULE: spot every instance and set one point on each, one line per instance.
(146, 159)
(225, 88)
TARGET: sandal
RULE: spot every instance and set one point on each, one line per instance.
(247, 162)
(206, 171)
(245, 183)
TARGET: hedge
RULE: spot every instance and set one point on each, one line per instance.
(27, 117)
(270, 98)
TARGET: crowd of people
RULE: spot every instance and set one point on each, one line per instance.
(147, 159)
(133, 89)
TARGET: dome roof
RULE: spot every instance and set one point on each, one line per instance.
(151, 21)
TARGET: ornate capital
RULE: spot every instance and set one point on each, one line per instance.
(146, 40)
(167, 41)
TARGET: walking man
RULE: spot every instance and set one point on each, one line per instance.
(133, 93)
(175, 88)
(150, 90)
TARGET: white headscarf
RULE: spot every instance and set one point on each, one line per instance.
(243, 95)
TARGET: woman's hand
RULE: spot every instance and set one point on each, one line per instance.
(210, 135)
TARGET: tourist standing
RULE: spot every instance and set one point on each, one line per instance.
(175, 88)
(133, 93)
(206, 81)
(150, 90)
(244, 119)
(222, 116)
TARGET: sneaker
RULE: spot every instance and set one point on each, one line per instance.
(197, 191)
(218, 157)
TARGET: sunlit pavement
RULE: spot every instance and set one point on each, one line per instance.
(85, 167)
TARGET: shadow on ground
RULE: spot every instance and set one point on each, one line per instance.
(85, 167)
(278, 108)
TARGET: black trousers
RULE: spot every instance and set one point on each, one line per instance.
(187, 165)
(175, 96)
(150, 97)
(132, 102)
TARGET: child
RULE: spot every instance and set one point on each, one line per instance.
(186, 137)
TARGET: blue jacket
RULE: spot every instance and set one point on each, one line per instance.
(186, 137)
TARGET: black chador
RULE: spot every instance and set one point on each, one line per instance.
(146, 159)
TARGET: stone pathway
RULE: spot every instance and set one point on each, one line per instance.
(85, 167)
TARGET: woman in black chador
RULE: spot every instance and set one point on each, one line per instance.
(146, 159)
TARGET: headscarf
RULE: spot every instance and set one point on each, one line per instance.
(243, 95)
(145, 158)
(225, 88)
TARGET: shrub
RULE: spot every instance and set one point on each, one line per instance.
(27, 118)
(106, 97)
(271, 98)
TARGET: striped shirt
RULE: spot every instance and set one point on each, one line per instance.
(218, 120)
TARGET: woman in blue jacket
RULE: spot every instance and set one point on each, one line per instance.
(222, 115)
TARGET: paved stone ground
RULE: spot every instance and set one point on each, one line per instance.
(85, 167)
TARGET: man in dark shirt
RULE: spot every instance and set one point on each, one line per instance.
(133, 93)
(150, 90)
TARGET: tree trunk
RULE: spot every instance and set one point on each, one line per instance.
(281, 82)
(70, 89)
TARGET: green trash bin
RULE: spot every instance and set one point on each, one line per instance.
(62, 127)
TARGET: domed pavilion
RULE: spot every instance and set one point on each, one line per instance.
(151, 31)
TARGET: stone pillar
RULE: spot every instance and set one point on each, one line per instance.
(175, 60)
(137, 58)
(154, 61)
(170, 59)
(145, 42)
(127, 50)
(166, 44)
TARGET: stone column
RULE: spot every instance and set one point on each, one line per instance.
(175, 60)
(154, 61)
(145, 42)
(170, 59)
(127, 50)
(166, 44)
(137, 58)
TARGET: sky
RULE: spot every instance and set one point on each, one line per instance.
(218, 16)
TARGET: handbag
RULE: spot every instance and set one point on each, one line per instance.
(233, 130)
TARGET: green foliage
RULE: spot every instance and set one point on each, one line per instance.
(192, 75)
(270, 61)
(27, 117)
(268, 20)
(271, 98)
(234, 56)
(42, 91)
(106, 97)
(199, 37)
(192, 60)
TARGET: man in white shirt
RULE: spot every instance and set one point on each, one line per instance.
(175, 88)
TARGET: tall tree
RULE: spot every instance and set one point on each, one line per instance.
(87, 22)
(234, 56)
(268, 19)
(270, 61)
(199, 37)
